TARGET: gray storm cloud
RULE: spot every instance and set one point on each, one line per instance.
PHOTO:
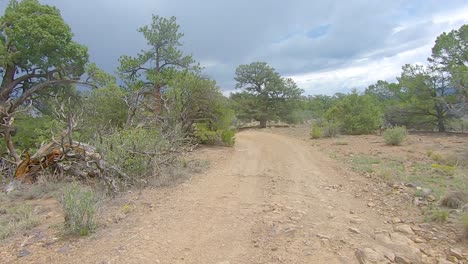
(223, 34)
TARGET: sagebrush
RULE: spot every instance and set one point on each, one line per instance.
(80, 205)
(395, 136)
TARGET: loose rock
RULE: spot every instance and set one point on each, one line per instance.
(405, 229)
(23, 253)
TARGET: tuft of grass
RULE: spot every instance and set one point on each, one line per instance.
(364, 163)
(395, 136)
(449, 160)
(80, 206)
(17, 219)
(436, 215)
(444, 169)
(455, 200)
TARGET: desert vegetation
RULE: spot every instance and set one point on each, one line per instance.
(78, 135)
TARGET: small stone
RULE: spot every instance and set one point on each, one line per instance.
(444, 261)
(452, 259)
(396, 220)
(352, 212)
(63, 250)
(426, 191)
(368, 255)
(419, 240)
(418, 188)
(456, 252)
(405, 229)
(23, 253)
(356, 221)
(354, 230)
(322, 236)
(430, 198)
(371, 204)
(402, 260)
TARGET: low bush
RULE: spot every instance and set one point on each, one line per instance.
(455, 200)
(331, 129)
(316, 132)
(395, 136)
(228, 137)
(79, 206)
(208, 136)
(437, 215)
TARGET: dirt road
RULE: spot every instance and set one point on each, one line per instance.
(271, 199)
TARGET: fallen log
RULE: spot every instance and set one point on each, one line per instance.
(77, 160)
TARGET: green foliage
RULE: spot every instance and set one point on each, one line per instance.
(228, 137)
(330, 129)
(316, 132)
(444, 169)
(36, 36)
(80, 206)
(450, 55)
(214, 137)
(164, 55)
(104, 111)
(395, 136)
(17, 219)
(195, 99)
(356, 114)
(266, 96)
(31, 131)
(205, 134)
(132, 149)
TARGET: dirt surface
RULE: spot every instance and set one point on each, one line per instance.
(270, 199)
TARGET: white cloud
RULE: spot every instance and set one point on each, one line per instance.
(375, 65)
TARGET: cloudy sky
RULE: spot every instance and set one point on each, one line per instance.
(326, 46)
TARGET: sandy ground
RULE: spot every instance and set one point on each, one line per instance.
(270, 199)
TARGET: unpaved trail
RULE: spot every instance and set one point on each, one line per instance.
(268, 201)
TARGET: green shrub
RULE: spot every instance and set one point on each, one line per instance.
(228, 137)
(356, 114)
(79, 206)
(133, 149)
(316, 132)
(395, 136)
(208, 136)
(205, 134)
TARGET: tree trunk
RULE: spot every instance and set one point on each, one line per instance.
(441, 124)
(263, 123)
(157, 99)
(440, 119)
(9, 141)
